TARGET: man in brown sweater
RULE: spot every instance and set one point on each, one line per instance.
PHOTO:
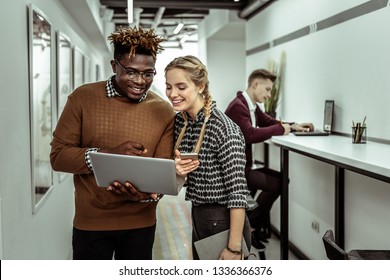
(118, 116)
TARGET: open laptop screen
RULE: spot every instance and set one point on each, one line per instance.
(328, 122)
(328, 115)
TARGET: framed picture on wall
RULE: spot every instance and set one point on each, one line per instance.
(41, 66)
(97, 72)
(87, 73)
(64, 76)
(78, 68)
(64, 70)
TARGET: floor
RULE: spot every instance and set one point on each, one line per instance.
(173, 234)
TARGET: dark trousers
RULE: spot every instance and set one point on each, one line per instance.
(268, 181)
(210, 219)
(133, 244)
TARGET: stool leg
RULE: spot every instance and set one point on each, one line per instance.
(268, 226)
(261, 255)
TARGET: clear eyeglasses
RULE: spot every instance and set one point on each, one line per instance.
(134, 74)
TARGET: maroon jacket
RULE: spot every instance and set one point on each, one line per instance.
(266, 127)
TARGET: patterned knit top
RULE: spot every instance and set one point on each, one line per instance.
(220, 176)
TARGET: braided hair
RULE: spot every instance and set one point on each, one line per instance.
(198, 74)
(135, 41)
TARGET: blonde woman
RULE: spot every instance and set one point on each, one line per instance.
(215, 182)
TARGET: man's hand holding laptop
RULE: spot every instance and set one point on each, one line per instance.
(129, 148)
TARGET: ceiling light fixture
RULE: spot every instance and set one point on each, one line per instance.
(184, 39)
(178, 28)
(130, 11)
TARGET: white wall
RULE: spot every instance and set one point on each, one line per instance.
(47, 233)
(226, 64)
(189, 48)
(346, 62)
(222, 48)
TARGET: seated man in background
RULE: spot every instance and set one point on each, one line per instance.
(258, 127)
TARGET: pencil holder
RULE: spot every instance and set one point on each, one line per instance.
(359, 135)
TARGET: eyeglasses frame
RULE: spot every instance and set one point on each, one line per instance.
(137, 73)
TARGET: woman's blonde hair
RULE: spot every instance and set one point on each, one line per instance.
(198, 74)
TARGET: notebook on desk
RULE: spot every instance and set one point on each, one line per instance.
(328, 122)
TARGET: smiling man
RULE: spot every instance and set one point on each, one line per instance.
(119, 116)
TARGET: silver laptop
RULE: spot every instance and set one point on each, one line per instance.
(151, 175)
(328, 122)
(210, 248)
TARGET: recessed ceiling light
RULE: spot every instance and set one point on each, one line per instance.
(178, 28)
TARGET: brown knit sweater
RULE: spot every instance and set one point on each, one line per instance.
(90, 119)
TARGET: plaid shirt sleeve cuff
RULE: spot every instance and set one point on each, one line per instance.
(88, 159)
(159, 196)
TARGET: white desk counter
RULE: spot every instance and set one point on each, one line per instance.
(371, 159)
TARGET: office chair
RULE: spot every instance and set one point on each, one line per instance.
(334, 252)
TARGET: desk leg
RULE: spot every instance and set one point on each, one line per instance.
(339, 206)
(266, 155)
(284, 205)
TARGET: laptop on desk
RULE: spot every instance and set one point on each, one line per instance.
(328, 122)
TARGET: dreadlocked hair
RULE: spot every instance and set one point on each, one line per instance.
(135, 41)
(198, 74)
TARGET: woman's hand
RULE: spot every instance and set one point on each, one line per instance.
(228, 255)
(185, 166)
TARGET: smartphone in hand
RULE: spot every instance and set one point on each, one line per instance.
(193, 156)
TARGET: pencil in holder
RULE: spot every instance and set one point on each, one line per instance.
(359, 134)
